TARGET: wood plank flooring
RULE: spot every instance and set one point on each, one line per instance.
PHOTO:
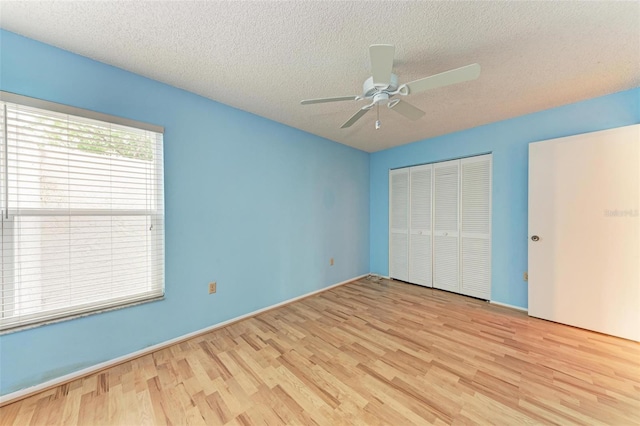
(363, 353)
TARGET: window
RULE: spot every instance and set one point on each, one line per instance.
(82, 211)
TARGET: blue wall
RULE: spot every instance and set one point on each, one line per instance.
(508, 141)
(255, 205)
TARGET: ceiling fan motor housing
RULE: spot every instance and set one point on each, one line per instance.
(369, 89)
(381, 98)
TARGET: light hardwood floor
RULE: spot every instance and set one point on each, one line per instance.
(364, 353)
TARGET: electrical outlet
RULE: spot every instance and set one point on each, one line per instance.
(525, 276)
(212, 287)
(331, 261)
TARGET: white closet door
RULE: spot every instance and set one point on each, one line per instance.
(446, 224)
(420, 225)
(475, 217)
(399, 224)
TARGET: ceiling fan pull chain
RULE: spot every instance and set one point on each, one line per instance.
(377, 116)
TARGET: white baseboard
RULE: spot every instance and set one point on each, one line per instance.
(506, 305)
(23, 393)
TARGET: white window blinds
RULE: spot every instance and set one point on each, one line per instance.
(82, 215)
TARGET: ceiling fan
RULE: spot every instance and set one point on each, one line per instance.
(382, 86)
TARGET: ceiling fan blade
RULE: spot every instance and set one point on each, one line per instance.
(408, 110)
(381, 64)
(323, 100)
(355, 117)
(458, 75)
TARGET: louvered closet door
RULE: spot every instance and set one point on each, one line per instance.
(475, 240)
(420, 225)
(445, 226)
(399, 224)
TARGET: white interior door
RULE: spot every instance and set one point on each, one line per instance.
(445, 226)
(584, 198)
(399, 224)
(420, 225)
(475, 229)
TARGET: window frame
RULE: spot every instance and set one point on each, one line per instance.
(156, 216)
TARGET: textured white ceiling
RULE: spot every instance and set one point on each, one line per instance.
(264, 57)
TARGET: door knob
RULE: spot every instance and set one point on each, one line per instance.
(535, 238)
